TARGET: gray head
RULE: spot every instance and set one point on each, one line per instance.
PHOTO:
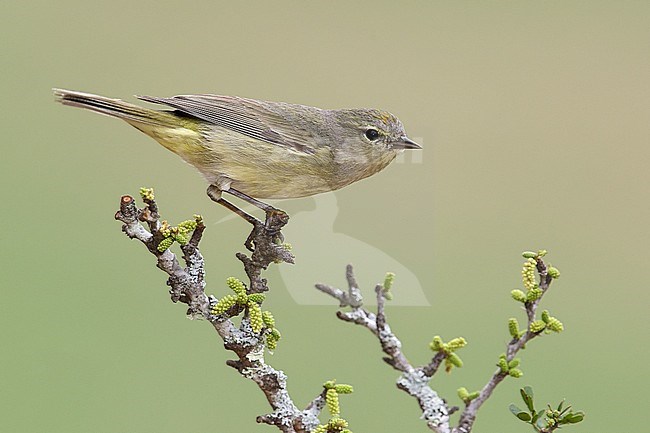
(378, 128)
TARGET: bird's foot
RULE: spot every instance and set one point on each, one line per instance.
(271, 228)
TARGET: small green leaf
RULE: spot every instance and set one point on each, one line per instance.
(527, 397)
(388, 280)
(522, 415)
(572, 418)
(518, 295)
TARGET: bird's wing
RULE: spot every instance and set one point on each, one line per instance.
(255, 119)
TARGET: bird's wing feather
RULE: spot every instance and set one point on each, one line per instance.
(255, 119)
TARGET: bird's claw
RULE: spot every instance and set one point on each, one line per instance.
(276, 219)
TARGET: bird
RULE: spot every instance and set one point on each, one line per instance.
(254, 149)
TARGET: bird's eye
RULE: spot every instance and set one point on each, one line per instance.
(372, 134)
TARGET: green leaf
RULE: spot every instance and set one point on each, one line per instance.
(522, 415)
(528, 390)
(572, 418)
(527, 397)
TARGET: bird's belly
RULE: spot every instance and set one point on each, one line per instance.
(265, 170)
(265, 186)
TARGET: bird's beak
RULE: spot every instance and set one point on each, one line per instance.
(406, 143)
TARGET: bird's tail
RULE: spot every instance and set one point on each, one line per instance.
(133, 114)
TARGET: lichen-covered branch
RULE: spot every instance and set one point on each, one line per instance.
(187, 285)
(413, 380)
(255, 332)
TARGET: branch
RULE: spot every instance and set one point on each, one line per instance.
(187, 285)
(414, 381)
(468, 416)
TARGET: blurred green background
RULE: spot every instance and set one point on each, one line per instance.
(535, 121)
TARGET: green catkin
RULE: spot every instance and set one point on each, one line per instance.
(165, 244)
(272, 340)
(537, 326)
(147, 194)
(256, 297)
(554, 325)
(332, 401)
(388, 280)
(188, 225)
(436, 344)
(255, 315)
(528, 273)
(268, 319)
(235, 285)
(337, 423)
(513, 327)
(518, 295)
(503, 364)
(456, 343)
(343, 388)
(181, 238)
(534, 294)
(224, 304)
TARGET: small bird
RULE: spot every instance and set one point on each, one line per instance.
(257, 149)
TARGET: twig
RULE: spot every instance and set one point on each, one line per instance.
(468, 416)
(187, 285)
(413, 380)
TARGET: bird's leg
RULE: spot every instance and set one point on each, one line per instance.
(255, 202)
(271, 212)
(215, 195)
(275, 218)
